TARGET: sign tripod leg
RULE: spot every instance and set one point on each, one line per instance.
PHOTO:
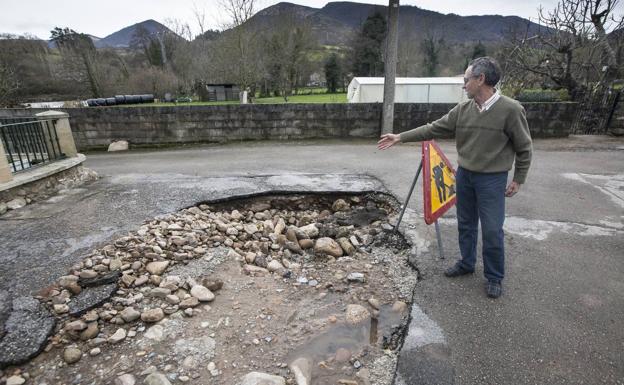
(409, 195)
(439, 236)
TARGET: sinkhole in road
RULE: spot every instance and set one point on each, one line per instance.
(312, 288)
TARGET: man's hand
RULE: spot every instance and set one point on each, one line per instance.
(512, 189)
(388, 140)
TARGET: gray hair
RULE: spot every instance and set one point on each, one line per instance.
(488, 67)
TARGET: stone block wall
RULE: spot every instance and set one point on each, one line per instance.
(96, 127)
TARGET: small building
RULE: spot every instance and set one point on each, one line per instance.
(408, 90)
(218, 92)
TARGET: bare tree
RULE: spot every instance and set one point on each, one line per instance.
(9, 85)
(571, 49)
(79, 50)
(241, 40)
(286, 54)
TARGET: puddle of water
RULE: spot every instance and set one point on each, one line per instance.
(373, 334)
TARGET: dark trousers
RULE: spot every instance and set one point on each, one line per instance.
(481, 197)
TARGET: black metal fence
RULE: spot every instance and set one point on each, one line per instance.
(29, 142)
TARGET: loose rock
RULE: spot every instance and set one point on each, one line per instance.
(72, 355)
(258, 378)
(356, 314)
(157, 379)
(125, 379)
(157, 268)
(202, 293)
(152, 315)
(327, 246)
(119, 336)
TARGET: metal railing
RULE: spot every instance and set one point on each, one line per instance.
(29, 142)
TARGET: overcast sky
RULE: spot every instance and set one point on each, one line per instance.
(101, 18)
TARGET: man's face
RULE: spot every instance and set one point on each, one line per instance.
(471, 83)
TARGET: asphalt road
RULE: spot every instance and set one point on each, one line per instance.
(561, 318)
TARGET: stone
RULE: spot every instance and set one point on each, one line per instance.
(15, 380)
(374, 302)
(76, 326)
(212, 284)
(159, 292)
(355, 277)
(67, 280)
(189, 303)
(60, 308)
(3, 208)
(157, 379)
(130, 314)
(232, 231)
(28, 318)
(202, 293)
(302, 370)
(356, 314)
(152, 315)
(255, 270)
(327, 246)
(291, 234)
(342, 355)
(90, 332)
(119, 145)
(157, 268)
(310, 230)
(306, 244)
(399, 307)
(115, 264)
(119, 336)
(250, 228)
(95, 351)
(346, 246)
(293, 246)
(258, 378)
(156, 333)
(279, 226)
(86, 274)
(91, 297)
(101, 279)
(142, 280)
(125, 379)
(16, 203)
(340, 205)
(172, 299)
(128, 280)
(275, 266)
(72, 355)
(250, 257)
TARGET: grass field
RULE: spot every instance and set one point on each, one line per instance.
(312, 98)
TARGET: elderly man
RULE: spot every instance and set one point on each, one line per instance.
(491, 132)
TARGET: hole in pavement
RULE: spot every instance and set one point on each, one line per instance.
(297, 286)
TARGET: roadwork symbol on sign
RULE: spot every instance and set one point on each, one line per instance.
(438, 182)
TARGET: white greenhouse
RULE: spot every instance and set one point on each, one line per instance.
(408, 90)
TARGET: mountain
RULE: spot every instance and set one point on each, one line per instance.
(336, 22)
(123, 38)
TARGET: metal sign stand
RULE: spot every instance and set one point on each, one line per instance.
(409, 195)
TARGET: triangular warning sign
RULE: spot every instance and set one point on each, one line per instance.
(438, 182)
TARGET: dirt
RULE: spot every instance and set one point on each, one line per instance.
(263, 322)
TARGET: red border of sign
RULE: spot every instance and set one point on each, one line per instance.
(429, 216)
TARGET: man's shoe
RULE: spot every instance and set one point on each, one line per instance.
(494, 289)
(456, 271)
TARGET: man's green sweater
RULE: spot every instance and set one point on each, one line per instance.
(486, 141)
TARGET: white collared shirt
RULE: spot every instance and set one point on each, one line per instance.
(488, 103)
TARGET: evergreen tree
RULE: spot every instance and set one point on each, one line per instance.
(333, 73)
(368, 47)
